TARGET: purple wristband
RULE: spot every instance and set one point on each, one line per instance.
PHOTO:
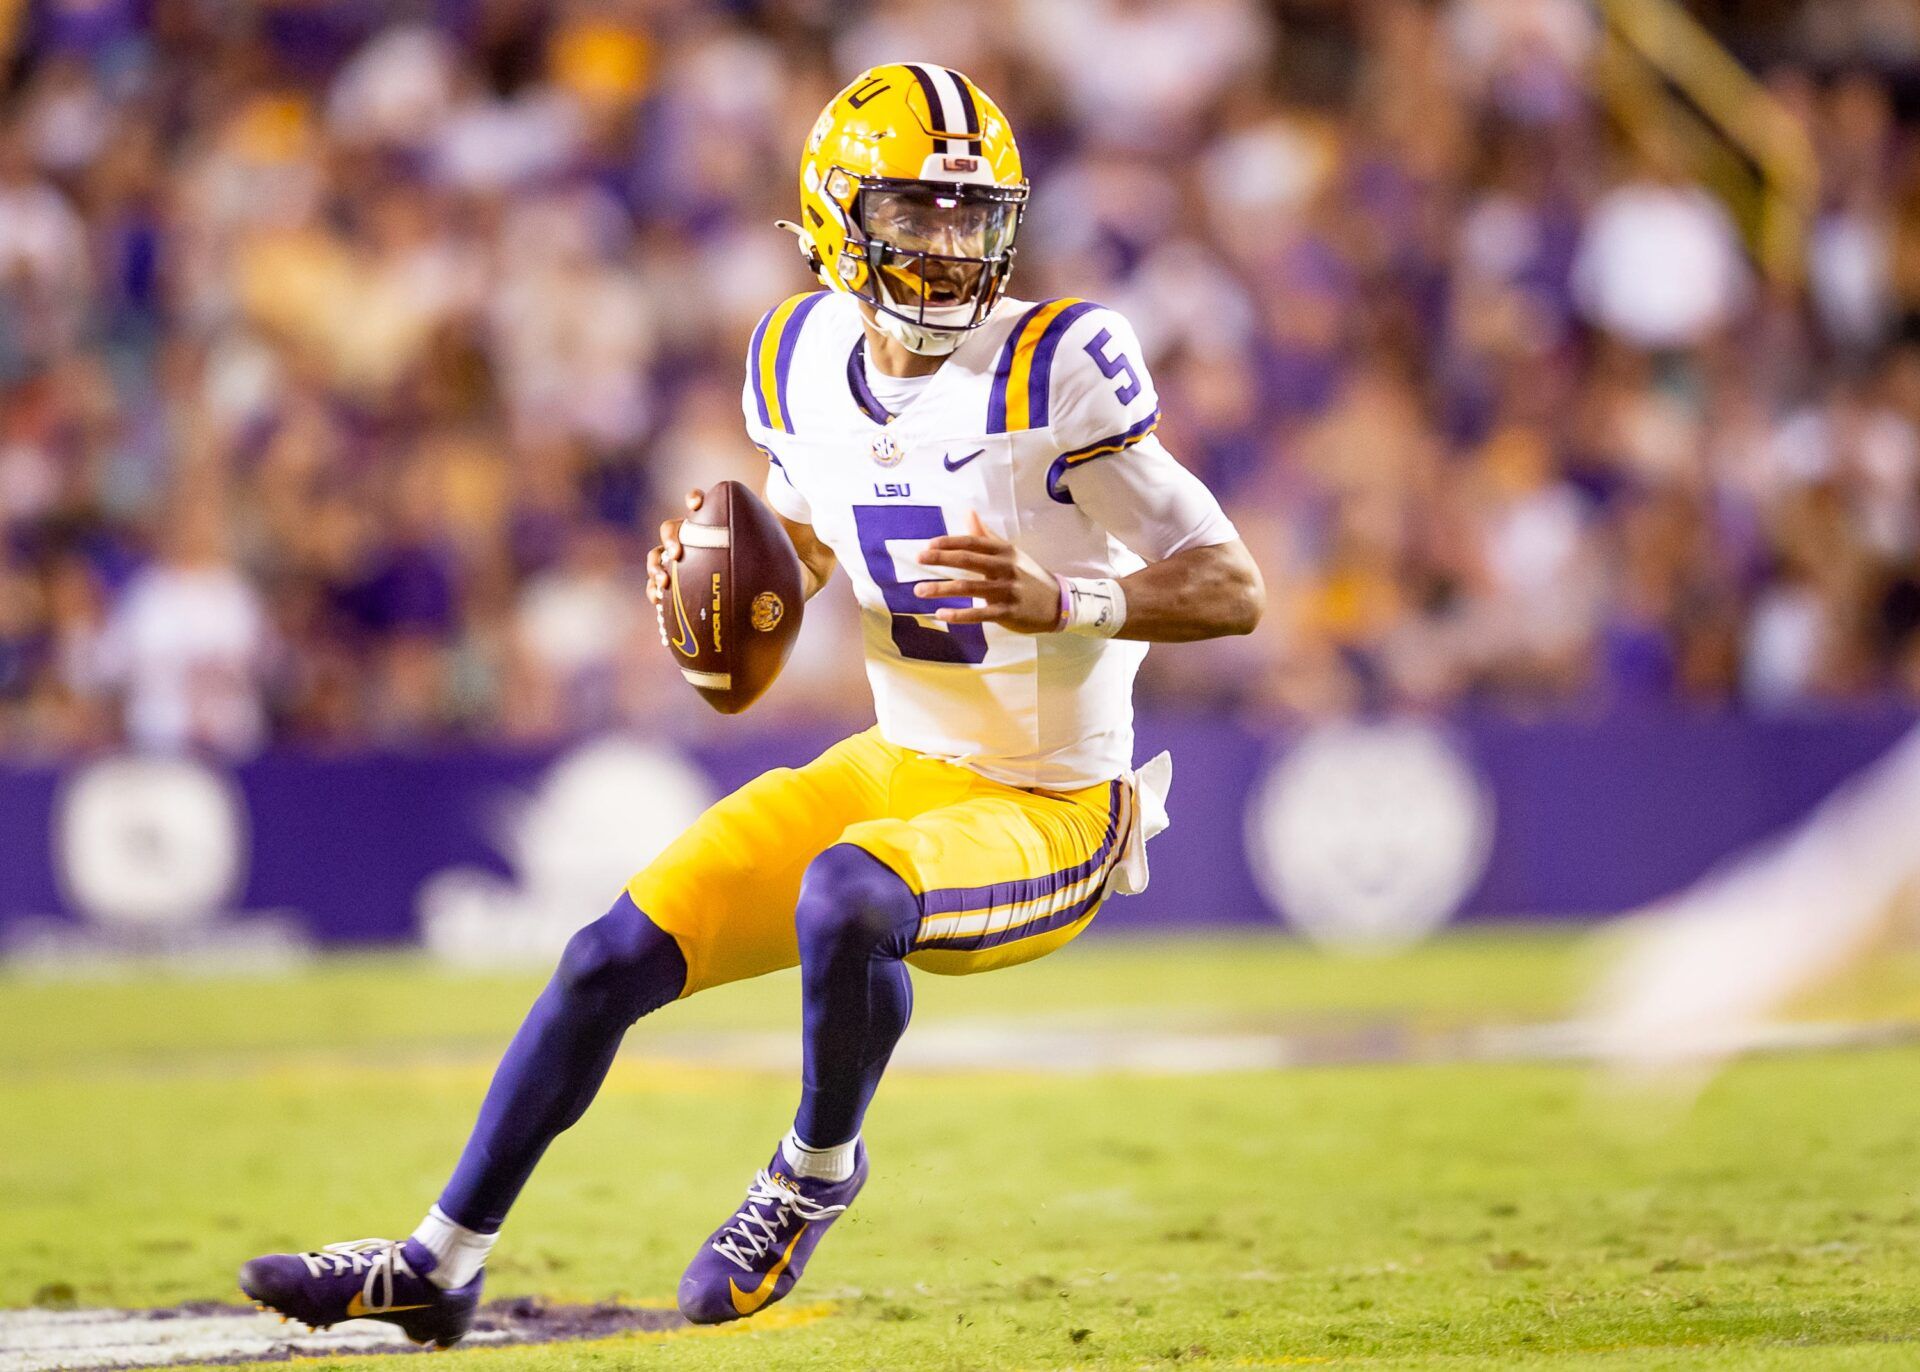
(1066, 604)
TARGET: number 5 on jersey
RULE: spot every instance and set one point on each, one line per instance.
(917, 639)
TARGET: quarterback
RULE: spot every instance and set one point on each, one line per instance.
(986, 470)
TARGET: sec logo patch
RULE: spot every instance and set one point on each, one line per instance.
(766, 611)
(886, 451)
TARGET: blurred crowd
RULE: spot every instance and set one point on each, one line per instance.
(351, 350)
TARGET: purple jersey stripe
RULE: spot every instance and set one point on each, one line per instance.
(1003, 371)
(863, 395)
(1112, 443)
(1039, 379)
(957, 900)
(753, 370)
(783, 357)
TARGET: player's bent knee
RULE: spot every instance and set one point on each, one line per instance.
(623, 961)
(848, 896)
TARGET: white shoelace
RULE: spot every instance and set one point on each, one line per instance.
(378, 1258)
(752, 1233)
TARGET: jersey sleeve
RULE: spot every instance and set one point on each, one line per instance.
(1151, 503)
(1103, 401)
(763, 400)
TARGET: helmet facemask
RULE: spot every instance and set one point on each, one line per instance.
(937, 256)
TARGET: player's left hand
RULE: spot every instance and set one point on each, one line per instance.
(1009, 588)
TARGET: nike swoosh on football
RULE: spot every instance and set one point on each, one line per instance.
(746, 1302)
(954, 466)
(357, 1308)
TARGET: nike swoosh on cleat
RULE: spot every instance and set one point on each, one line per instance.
(953, 466)
(746, 1302)
(357, 1308)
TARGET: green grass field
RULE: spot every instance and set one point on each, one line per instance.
(1442, 1214)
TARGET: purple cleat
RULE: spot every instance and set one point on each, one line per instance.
(374, 1279)
(755, 1258)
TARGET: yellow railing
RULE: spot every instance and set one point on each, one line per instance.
(1665, 77)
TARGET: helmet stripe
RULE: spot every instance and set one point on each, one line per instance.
(970, 109)
(936, 111)
(953, 116)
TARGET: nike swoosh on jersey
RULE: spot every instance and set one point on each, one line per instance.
(954, 466)
(357, 1308)
(746, 1302)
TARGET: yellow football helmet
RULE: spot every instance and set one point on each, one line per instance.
(910, 199)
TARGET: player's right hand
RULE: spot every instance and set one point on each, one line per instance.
(666, 551)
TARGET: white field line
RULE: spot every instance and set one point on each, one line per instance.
(1081, 1050)
(46, 1340)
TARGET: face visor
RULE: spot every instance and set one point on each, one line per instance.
(937, 255)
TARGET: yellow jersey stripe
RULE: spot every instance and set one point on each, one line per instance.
(769, 374)
(1020, 375)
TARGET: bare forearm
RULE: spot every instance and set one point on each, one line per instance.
(1200, 593)
(816, 558)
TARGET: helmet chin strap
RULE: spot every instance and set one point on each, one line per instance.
(917, 339)
(928, 340)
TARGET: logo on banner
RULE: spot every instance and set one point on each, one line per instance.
(1369, 835)
(152, 853)
(598, 815)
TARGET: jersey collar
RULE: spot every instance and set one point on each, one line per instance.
(863, 395)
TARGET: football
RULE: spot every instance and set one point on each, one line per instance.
(734, 598)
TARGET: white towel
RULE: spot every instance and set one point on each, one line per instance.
(1150, 784)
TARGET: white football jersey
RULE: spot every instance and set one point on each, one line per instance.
(1032, 393)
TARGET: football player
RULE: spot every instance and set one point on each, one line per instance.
(986, 471)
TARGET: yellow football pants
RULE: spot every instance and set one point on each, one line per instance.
(1002, 875)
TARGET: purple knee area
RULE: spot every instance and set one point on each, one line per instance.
(851, 902)
(623, 963)
(856, 920)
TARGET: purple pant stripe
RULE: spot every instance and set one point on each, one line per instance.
(957, 900)
(1059, 919)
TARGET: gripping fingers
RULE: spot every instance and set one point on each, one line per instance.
(963, 543)
(988, 564)
(669, 549)
(997, 592)
(975, 614)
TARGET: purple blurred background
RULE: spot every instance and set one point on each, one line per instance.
(1560, 378)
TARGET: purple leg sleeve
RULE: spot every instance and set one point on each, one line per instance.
(615, 970)
(856, 921)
